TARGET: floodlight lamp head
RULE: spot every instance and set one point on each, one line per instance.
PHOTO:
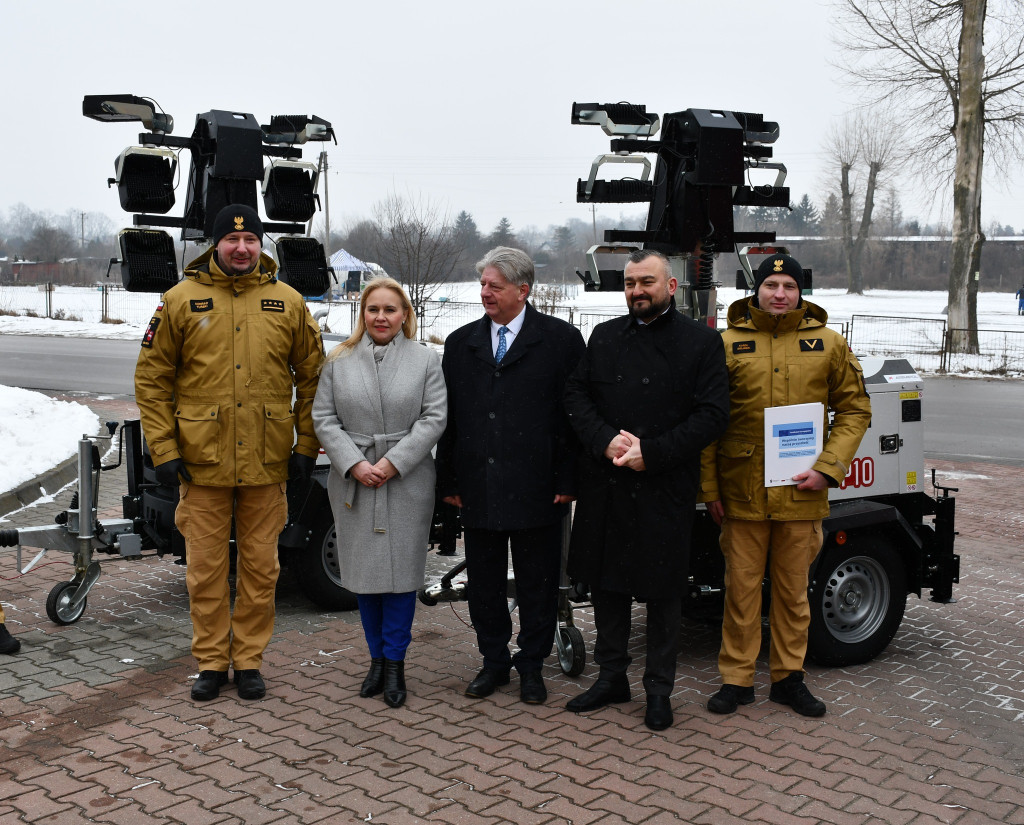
(145, 179)
(294, 129)
(128, 108)
(617, 118)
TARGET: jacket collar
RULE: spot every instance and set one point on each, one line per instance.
(205, 270)
(627, 322)
(480, 339)
(743, 314)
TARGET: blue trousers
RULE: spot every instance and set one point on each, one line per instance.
(387, 623)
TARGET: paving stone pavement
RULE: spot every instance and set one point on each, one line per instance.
(97, 725)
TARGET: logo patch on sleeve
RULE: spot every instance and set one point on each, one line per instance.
(812, 345)
(201, 305)
(147, 338)
(272, 305)
(743, 347)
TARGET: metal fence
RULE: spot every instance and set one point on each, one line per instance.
(926, 340)
(103, 303)
(1000, 352)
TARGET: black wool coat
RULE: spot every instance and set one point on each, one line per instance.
(508, 448)
(667, 384)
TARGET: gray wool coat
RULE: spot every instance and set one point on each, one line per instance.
(398, 411)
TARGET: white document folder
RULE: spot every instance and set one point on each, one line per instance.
(792, 441)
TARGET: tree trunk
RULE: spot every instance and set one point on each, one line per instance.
(856, 282)
(851, 254)
(969, 134)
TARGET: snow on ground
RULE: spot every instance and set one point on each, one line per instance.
(37, 433)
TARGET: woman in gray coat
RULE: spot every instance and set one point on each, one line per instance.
(380, 407)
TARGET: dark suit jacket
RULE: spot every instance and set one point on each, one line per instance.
(508, 448)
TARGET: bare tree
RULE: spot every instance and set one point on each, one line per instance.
(417, 245)
(860, 140)
(954, 91)
(50, 243)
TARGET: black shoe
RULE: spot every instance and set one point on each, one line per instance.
(601, 693)
(250, 684)
(659, 712)
(729, 697)
(374, 681)
(394, 683)
(208, 685)
(793, 692)
(531, 688)
(486, 681)
(8, 644)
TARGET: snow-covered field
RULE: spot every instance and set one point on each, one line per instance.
(996, 310)
(37, 433)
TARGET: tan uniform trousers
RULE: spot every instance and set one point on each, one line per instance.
(220, 637)
(788, 548)
(3, 619)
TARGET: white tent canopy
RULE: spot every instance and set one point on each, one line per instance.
(341, 261)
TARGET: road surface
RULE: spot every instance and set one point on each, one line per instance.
(966, 419)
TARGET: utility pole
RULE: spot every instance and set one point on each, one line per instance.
(327, 204)
(83, 231)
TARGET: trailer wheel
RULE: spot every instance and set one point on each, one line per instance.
(857, 601)
(316, 568)
(58, 604)
(572, 654)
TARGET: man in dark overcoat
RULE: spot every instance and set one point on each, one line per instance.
(508, 460)
(649, 394)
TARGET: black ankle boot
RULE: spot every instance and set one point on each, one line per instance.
(394, 683)
(374, 681)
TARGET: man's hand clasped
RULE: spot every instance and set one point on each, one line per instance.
(624, 451)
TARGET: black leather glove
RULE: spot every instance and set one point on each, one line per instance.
(301, 466)
(168, 472)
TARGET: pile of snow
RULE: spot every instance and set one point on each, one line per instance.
(38, 433)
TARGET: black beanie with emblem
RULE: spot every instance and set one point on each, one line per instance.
(779, 265)
(237, 217)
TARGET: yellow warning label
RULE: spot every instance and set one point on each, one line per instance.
(911, 478)
(904, 395)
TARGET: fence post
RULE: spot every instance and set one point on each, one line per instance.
(104, 306)
(943, 361)
(49, 299)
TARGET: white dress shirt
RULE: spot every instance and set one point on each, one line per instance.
(513, 327)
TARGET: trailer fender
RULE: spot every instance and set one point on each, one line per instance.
(857, 516)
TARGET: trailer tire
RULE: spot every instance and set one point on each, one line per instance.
(316, 568)
(58, 604)
(572, 653)
(857, 601)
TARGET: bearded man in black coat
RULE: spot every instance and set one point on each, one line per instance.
(650, 393)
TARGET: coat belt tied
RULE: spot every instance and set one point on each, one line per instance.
(380, 442)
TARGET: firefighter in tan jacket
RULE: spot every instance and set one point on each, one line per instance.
(214, 383)
(778, 352)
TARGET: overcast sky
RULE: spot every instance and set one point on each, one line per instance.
(466, 103)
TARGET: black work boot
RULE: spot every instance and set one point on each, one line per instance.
(250, 684)
(394, 683)
(8, 644)
(729, 697)
(793, 692)
(208, 685)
